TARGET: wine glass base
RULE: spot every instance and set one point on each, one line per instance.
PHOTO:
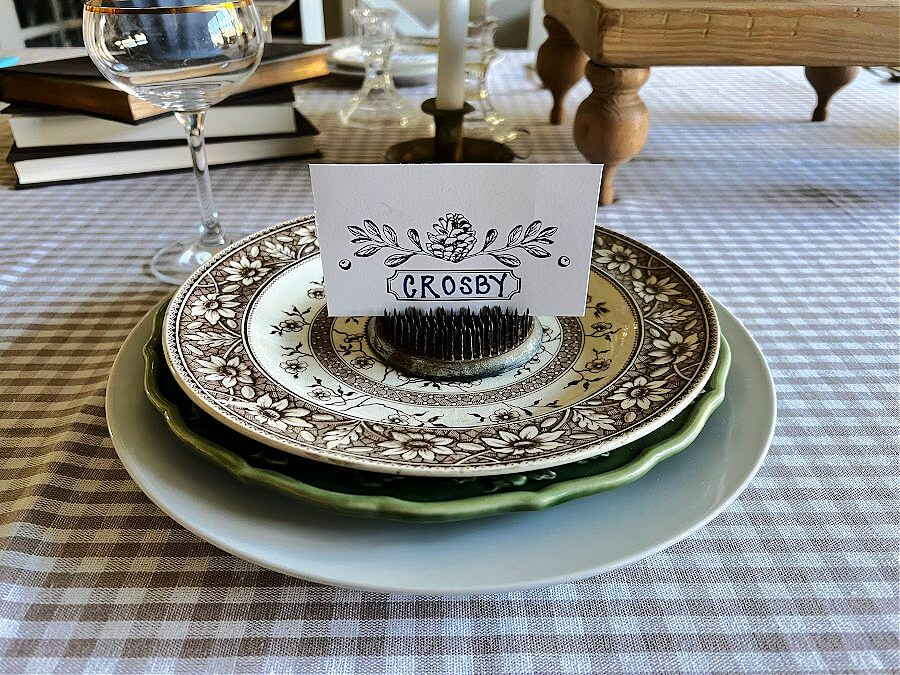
(174, 263)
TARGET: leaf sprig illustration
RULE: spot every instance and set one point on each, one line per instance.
(452, 240)
(528, 239)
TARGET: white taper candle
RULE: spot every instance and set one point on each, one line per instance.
(451, 89)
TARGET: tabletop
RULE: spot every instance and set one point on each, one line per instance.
(732, 32)
(792, 225)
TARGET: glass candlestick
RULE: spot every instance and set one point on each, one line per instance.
(486, 121)
(267, 10)
(377, 103)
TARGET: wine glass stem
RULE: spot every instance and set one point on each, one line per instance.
(211, 233)
(266, 21)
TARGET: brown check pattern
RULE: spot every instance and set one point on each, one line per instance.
(791, 225)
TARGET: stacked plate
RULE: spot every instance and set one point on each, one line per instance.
(411, 62)
(245, 367)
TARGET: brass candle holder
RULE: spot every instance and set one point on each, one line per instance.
(449, 143)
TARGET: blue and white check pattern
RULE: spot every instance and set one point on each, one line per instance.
(792, 225)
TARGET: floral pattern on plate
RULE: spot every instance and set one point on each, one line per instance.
(249, 340)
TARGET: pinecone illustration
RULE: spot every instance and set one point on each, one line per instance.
(453, 238)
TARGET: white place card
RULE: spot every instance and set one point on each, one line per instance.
(394, 236)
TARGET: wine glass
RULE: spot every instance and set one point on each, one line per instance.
(183, 56)
(267, 10)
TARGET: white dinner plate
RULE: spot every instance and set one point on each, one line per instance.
(410, 63)
(407, 60)
(501, 553)
(402, 80)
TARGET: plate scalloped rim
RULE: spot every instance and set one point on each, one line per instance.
(384, 505)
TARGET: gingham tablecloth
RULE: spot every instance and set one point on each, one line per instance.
(790, 224)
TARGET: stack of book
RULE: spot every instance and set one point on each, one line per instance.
(68, 123)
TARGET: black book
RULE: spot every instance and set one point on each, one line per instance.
(62, 164)
(258, 114)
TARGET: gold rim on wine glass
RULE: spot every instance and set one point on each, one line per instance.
(108, 7)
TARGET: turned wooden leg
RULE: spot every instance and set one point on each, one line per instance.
(611, 124)
(827, 81)
(560, 64)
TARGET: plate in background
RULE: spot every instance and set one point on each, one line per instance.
(412, 62)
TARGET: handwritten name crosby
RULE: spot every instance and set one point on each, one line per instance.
(412, 285)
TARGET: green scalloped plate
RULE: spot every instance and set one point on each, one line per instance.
(409, 497)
